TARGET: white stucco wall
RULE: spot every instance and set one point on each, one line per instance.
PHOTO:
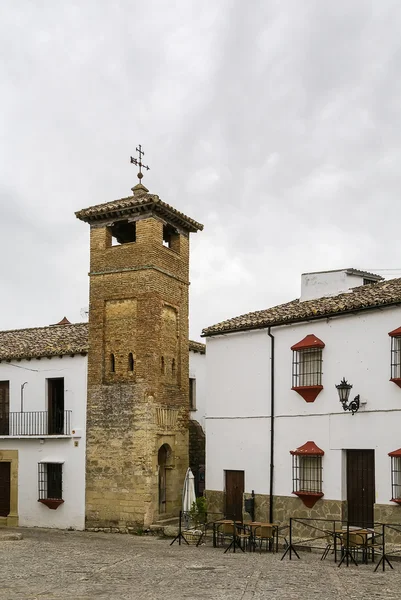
(238, 403)
(32, 450)
(197, 370)
(238, 409)
(327, 283)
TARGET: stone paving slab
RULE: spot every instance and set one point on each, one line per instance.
(60, 565)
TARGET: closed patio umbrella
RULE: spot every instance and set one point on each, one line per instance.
(188, 493)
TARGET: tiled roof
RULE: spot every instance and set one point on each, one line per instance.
(54, 340)
(134, 205)
(382, 293)
(197, 347)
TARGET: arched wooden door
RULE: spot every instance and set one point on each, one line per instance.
(162, 462)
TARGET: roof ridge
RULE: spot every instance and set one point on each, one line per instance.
(40, 327)
(358, 298)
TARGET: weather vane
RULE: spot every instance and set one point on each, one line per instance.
(138, 162)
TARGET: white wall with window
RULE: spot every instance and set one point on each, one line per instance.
(46, 425)
(357, 346)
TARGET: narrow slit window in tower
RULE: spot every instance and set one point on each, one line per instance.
(162, 365)
(131, 362)
(112, 364)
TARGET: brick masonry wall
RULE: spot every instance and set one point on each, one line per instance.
(138, 305)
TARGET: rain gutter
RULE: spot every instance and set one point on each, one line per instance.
(271, 336)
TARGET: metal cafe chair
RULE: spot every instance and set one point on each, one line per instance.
(264, 534)
(228, 530)
(355, 542)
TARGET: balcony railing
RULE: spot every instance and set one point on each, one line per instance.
(36, 423)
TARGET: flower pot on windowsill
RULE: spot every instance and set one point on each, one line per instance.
(52, 503)
(396, 380)
(309, 498)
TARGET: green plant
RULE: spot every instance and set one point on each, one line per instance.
(198, 511)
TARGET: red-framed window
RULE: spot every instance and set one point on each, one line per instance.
(396, 356)
(307, 367)
(307, 473)
(396, 475)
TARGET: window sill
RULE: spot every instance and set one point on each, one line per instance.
(396, 380)
(52, 503)
(309, 498)
(308, 392)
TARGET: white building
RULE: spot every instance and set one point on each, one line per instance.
(274, 422)
(43, 391)
(42, 426)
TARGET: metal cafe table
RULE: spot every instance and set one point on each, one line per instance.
(260, 530)
(247, 531)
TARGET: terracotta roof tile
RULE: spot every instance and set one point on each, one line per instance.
(382, 293)
(197, 347)
(53, 340)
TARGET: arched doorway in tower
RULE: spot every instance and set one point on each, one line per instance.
(164, 458)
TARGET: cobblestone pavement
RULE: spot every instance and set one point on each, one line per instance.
(58, 565)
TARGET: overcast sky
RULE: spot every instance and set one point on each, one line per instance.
(275, 123)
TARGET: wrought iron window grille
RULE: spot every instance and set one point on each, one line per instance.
(396, 478)
(50, 481)
(307, 367)
(396, 357)
(307, 474)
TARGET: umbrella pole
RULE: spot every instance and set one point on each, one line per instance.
(180, 535)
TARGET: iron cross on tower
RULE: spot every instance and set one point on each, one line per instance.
(138, 162)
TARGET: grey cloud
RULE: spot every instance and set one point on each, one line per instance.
(277, 126)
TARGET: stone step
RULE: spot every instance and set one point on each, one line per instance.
(168, 521)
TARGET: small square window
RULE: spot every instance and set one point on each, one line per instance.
(50, 481)
(306, 473)
(396, 478)
(307, 367)
(396, 357)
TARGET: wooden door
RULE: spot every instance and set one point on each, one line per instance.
(4, 408)
(234, 494)
(162, 460)
(361, 487)
(5, 479)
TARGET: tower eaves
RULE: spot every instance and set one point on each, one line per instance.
(135, 206)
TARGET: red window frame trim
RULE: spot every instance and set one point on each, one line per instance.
(308, 392)
(393, 334)
(395, 454)
(308, 449)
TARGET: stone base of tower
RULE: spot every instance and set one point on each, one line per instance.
(136, 465)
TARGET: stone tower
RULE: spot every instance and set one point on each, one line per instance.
(138, 397)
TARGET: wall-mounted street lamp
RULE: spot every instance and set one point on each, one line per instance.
(344, 389)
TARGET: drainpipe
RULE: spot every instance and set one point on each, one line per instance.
(271, 426)
(22, 395)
